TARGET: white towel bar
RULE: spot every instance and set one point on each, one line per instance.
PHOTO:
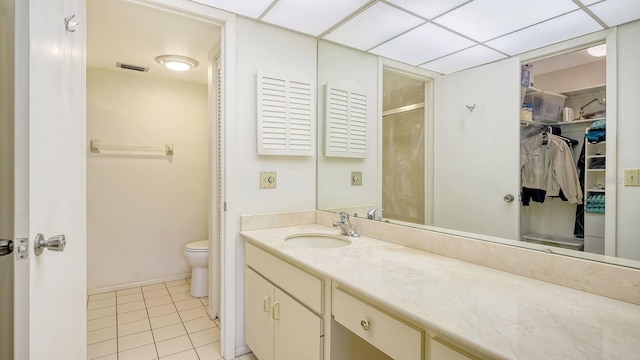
(98, 147)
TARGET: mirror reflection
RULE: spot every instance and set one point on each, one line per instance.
(444, 151)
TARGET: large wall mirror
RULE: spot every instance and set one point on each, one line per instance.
(444, 152)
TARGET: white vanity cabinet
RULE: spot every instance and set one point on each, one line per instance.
(277, 325)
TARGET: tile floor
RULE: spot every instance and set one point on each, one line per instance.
(160, 321)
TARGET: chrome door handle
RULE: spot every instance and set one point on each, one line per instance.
(54, 243)
(508, 198)
(6, 247)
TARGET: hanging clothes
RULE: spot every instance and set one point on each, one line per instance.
(547, 165)
(578, 228)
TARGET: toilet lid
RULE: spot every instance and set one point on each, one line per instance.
(202, 245)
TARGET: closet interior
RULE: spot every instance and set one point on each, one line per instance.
(563, 151)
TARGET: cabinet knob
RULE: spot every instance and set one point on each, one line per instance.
(365, 324)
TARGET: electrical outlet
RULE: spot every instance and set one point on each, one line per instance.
(268, 179)
(631, 177)
(356, 178)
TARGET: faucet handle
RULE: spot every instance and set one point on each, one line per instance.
(344, 217)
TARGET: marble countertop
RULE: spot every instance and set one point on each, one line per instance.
(503, 315)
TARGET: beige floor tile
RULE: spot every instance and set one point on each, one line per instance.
(132, 316)
(132, 306)
(133, 327)
(101, 335)
(125, 299)
(192, 314)
(205, 337)
(124, 292)
(103, 296)
(217, 321)
(209, 351)
(248, 356)
(108, 357)
(162, 300)
(134, 340)
(165, 320)
(101, 349)
(188, 304)
(204, 301)
(173, 346)
(198, 324)
(176, 283)
(99, 304)
(153, 287)
(101, 323)
(161, 310)
(185, 355)
(169, 332)
(146, 352)
(181, 296)
(155, 293)
(179, 288)
(100, 313)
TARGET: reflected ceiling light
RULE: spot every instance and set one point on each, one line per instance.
(176, 62)
(598, 50)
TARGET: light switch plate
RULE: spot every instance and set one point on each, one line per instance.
(356, 178)
(268, 179)
(631, 177)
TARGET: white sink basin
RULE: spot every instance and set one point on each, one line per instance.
(317, 241)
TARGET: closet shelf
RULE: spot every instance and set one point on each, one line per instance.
(555, 240)
(596, 156)
(562, 123)
(596, 190)
(596, 170)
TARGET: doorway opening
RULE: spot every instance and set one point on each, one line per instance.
(142, 208)
(404, 165)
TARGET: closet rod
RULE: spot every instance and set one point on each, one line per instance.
(98, 147)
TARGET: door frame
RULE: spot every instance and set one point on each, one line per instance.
(608, 36)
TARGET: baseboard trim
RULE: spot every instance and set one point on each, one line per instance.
(139, 283)
(244, 349)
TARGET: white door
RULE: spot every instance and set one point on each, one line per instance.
(476, 150)
(50, 289)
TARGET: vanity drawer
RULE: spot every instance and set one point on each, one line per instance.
(295, 281)
(392, 336)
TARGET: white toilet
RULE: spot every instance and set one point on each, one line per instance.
(197, 254)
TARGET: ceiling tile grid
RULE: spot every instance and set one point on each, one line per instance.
(439, 35)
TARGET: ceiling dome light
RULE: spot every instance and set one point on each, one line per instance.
(176, 62)
(598, 50)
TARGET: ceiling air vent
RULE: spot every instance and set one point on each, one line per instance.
(132, 67)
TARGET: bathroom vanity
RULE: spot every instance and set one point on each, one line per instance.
(374, 299)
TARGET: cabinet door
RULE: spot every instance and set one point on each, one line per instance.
(258, 325)
(298, 331)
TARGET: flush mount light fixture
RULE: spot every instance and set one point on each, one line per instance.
(176, 62)
(598, 50)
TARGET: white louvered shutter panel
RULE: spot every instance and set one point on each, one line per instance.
(345, 122)
(286, 116)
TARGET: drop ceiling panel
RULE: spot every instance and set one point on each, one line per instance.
(549, 32)
(373, 26)
(422, 44)
(589, 2)
(311, 16)
(487, 19)
(428, 8)
(464, 59)
(249, 8)
(616, 12)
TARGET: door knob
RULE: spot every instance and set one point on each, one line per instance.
(54, 243)
(508, 198)
(6, 247)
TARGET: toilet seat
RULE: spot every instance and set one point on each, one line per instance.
(197, 246)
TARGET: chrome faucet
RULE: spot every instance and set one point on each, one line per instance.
(375, 214)
(345, 225)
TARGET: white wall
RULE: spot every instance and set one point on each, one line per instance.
(141, 210)
(579, 77)
(6, 176)
(265, 48)
(628, 198)
(337, 63)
